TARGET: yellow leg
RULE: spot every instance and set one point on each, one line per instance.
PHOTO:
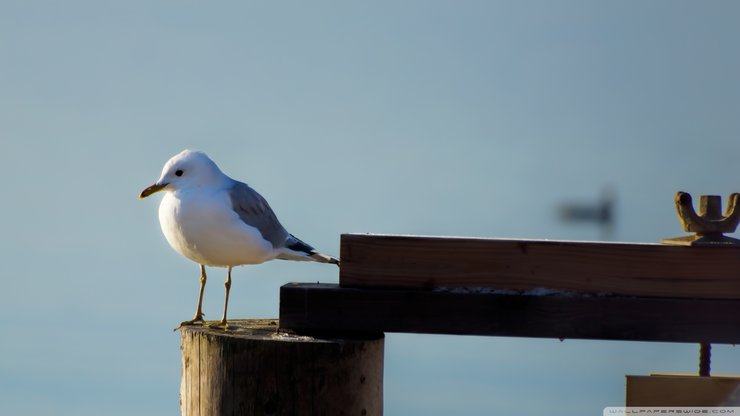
(199, 312)
(223, 324)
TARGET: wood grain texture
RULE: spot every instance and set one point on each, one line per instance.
(682, 390)
(388, 261)
(329, 307)
(255, 370)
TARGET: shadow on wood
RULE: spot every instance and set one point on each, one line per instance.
(329, 307)
(257, 370)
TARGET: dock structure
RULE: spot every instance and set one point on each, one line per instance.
(470, 286)
(525, 288)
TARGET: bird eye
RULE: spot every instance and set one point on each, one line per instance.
(178, 172)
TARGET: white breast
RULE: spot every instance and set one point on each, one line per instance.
(203, 227)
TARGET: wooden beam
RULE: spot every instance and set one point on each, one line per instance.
(682, 390)
(392, 261)
(327, 307)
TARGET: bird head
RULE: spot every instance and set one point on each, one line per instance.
(187, 169)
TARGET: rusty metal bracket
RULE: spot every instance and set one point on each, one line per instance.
(705, 359)
(709, 225)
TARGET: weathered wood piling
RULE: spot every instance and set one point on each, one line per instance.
(255, 369)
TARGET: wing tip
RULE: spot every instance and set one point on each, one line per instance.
(323, 258)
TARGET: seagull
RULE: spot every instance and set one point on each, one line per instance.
(214, 220)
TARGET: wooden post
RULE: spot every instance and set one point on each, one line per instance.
(255, 369)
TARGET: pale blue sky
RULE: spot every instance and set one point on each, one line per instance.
(429, 117)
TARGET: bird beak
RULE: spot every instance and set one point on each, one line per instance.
(152, 189)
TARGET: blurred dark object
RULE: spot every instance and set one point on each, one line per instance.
(600, 213)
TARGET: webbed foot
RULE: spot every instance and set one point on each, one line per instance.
(222, 324)
(198, 320)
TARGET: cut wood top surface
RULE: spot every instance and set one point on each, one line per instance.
(244, 328)
(255, 329)
(270, 330)
(422, 262)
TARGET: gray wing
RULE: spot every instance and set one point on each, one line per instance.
(254, 210)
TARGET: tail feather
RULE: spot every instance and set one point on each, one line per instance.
(295, 249)
(323, 258)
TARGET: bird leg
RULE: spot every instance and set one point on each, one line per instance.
(223, 324)
(198, 312)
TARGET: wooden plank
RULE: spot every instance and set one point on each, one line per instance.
(682, 390)
(327, 307)
(391, 261)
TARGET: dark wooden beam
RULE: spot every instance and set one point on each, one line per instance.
(328, 307)
(415, 262)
